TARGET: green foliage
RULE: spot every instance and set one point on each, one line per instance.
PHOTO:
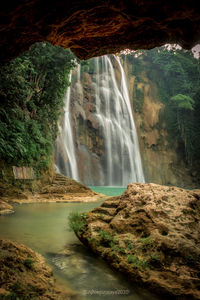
(120, 250)
(130, 258)
(20, 291)
(138, 98)
(29, 262)
(183, 102)
(105, 236)
(88, 66)
(85, 66)
(108, 239)
(137, 263)
(146, 242)
(101, 216)
(104, 253)
(94, 241)
(76, 221)
(32, 91)
(129, 244)
(11, 296)
(155, 257)
(177, 75)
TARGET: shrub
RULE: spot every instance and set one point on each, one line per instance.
(108, 239)
(76, 221)
(120, 250)
(93, 241)
(32, 92)
(146, 242)
(137, 263)
(129, 244)
(29, 262)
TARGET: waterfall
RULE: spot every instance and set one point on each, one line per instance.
(113, 109)
(66, 163)
(107, 116)
(134, 147)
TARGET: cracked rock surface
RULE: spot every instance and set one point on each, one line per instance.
(152, 234)
(94, 28)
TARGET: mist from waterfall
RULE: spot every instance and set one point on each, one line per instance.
(120, 162)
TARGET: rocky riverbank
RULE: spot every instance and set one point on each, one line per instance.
(5, 208)
(152, 234)
(62, 189)
(24, 274)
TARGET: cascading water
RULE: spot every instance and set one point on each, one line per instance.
(123, 161)
(66, 159)
(104, 120)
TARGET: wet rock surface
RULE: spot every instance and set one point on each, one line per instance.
(94, 28)
(24, 274)
(152, 234)
(62, 189)
(5, 208)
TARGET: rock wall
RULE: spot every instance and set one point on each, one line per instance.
(104, 134)
(89, 141)
(161, 162)
(92, 28)
(7, 177)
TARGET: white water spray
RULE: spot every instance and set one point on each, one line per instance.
(113, 109)
(120, 163)
(66, 142)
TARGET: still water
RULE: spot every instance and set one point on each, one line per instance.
(108, 190)
(44, 228)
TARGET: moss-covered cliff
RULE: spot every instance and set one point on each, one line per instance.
(169, 150)
(32, 91)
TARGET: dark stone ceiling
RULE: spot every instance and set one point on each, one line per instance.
(92, 28)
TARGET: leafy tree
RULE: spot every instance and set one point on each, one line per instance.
(32, 92)
(183, 102)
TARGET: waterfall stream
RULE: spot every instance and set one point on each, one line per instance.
(66, 143)
(108, 121)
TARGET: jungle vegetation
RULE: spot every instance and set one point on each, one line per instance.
(32, 94)
(176, 73)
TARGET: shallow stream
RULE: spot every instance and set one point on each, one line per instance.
(44, 228)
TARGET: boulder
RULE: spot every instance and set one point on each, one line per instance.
(24, 274)
(152, 234)
(5, 208)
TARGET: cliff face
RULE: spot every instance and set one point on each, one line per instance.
(161, 162)
(89, 140)
(105, 140)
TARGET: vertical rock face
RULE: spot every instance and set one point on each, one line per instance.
(162, 163)
(105, 136)
(97, 115)
(87, 134)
